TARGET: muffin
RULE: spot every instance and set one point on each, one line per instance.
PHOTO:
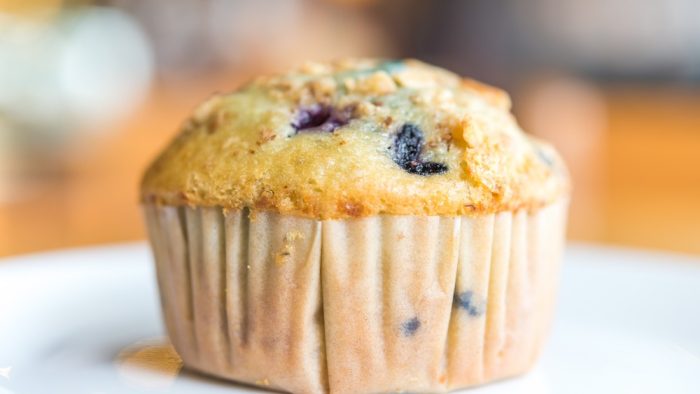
(360, 226)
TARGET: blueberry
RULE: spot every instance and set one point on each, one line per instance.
(410, 326)
(466, 300)
(426, 168)
(320, 117)
(407, 147)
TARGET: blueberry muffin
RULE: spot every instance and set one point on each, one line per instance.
(360, 226)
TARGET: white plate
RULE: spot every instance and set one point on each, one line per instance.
(87, 321)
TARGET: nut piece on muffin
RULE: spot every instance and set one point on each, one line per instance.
(357, 226)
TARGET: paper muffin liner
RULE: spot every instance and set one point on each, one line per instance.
(378, 304)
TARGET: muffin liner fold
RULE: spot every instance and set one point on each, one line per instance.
(370, 305)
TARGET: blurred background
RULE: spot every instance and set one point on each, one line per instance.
(91, 90)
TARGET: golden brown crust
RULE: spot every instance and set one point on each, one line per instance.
(244, 150)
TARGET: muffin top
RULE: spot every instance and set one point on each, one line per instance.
(354, 138)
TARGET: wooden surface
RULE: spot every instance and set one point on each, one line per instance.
(646, 171)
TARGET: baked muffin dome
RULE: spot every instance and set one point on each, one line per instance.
(356, 138)
(357, 227)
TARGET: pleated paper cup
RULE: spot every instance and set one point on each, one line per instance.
(370, 305)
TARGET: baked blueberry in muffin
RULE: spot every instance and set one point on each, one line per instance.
(357, 226)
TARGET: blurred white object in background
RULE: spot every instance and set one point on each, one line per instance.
(88, 65)
(29, 96)
(105, 66)
(80, 71)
